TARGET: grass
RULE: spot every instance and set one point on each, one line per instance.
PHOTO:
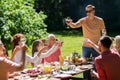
(71, 43)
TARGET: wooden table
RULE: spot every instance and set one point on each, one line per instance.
(61, 75)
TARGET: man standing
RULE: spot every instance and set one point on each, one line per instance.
(93, 28)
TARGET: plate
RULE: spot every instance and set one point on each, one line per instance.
(69, 72)
(33, 72)
(63, 75)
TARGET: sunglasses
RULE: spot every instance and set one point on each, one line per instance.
(89, 11)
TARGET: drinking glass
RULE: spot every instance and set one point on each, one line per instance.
(23, 40)
(47, 68)
(61, 60)
(68, 20)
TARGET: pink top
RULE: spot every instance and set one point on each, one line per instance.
(54, 56)
(6, 66)
(108, 66)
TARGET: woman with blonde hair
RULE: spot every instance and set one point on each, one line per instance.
(117, 43)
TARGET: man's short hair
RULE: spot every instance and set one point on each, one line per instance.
(106, 41)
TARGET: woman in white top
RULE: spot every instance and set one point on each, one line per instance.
(17, 45)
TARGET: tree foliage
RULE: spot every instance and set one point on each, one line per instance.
(18, 16)
(53, 9)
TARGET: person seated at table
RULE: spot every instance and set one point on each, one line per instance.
(7, 66)
(108, 63)
(55, 56)
(19, 42)
(38, 49)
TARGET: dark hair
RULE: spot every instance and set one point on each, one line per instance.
(106, 41)
(35, 45)
(16, 38)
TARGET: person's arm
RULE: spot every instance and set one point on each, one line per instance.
(31, 59)
(41, 54)
(93, 45)
(94, 73)
(49, 52)
(104, 32)
(56, 46)
(74, 25)
(102, 27)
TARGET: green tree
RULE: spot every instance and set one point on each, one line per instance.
(18, 16)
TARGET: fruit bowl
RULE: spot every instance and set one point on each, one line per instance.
(33, 72)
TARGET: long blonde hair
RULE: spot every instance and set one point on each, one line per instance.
(117, 43)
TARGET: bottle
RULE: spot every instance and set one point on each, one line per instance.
(61, 60)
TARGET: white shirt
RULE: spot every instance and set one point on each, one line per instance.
(18, 56)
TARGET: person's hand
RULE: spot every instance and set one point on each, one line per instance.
(68, 21)
(44, 49)
(82, 60)
(24, 48)
(88, 41)
(58, 43)
(94, 74)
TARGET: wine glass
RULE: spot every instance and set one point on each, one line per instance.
(23, 40)
(68, 20)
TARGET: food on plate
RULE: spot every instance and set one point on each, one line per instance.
(64, 68)
(33, 72)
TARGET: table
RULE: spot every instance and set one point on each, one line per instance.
(57, 75)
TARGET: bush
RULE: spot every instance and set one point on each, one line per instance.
(18, 16)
